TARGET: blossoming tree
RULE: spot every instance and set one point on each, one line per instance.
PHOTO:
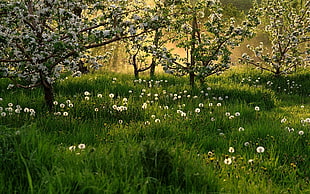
(287, 24)
(40, 39)
(207, 37)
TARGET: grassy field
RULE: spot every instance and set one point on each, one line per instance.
(243, 132)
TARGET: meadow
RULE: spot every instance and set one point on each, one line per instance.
(242, 132)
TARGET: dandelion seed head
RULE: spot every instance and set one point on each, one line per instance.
(260, 149)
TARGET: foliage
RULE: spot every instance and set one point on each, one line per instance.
(207, 37)
(287, 25)
(41, 39)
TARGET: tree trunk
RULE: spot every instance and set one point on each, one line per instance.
(156, 43)
(48, 94)
(192, 53)
(192, 79)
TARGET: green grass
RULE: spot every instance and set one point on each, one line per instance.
(168, 147)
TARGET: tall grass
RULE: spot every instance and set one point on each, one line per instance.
(168, 138)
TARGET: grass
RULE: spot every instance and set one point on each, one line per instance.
(178, 143)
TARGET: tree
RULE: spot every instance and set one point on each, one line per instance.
(207, 37)
(40, 39)
(287, 24)
(143, 50)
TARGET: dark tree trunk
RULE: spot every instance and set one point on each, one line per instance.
(192, 79)
(156, 43)
(48, 94)
(135, 66)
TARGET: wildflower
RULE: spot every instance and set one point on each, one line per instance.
(210, 104)
(218, 104)
(183, 114)
(62, 105)
(86, 93)
(147, 123)
(65, 114)
(237, 114)
(72, 148)
(231, 149)
(256, 108)
(111, 95)
(200, 105)
(212, 119)
(17, 111)
(197, 110)
(302, 106)
(70, 105)
(260, 149)
(144, 106)
(301, 132)
(99, 95)
(10, 104)
(68, 101)
(81, 146)
(283, 120)
(246, 144)
(96, 109)
(120, 121)
(231, 117)
(251, 161)
(3, 114)
(228, 161)
(227, 114)
(86, 98)
(241, 129)
(157, 120)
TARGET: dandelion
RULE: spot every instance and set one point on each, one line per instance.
(81, 146)
(260, 149)
(301, 132)
(256, 108)
(283, 120)
(72, 148)
(228, 161)
(241, 129)
(231, 149)
(197, 110)
(111, 95)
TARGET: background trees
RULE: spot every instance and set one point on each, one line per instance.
(41, 39)
(207, 37)
(287, 25)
